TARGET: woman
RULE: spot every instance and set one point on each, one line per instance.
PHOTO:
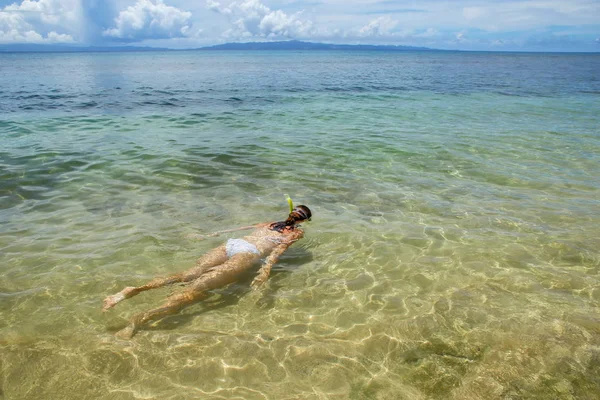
(220, 267)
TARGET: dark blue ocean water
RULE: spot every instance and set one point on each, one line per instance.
(129, 83)
(453, 251)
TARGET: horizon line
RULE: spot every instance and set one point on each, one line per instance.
(79, 48)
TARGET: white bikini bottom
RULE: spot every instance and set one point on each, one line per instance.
(237, 246)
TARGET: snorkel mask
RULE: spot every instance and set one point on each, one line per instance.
(298, 213)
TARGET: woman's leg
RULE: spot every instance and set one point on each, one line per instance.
(216, 277)
(174, 305)
(209, 260)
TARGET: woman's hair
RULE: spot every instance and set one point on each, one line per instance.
(298, 214)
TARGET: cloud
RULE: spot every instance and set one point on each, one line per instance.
(48, 12)
(252, 19)
(43, 21)
(427, 33)
(150, 20)
(217, 7)
(388, 31)
(98, 16)
(382, 26)
(54, 37)
(14, 28)
(461, 24)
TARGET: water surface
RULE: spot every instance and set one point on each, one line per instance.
(453, 251)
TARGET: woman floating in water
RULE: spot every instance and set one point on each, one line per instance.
(219, 267)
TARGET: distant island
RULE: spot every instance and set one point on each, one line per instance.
(298, 45)
(283, 45)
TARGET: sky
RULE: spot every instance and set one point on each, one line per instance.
(490, 25)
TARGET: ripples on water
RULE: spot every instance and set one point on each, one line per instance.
(452, 253)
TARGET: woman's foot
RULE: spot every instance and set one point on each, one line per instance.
(112, 301)
(127, 333)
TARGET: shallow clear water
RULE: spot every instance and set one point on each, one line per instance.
(453, 251)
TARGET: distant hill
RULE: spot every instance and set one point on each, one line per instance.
(286, 45)
(297, 45)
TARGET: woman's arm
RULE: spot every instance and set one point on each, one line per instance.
(265, 270)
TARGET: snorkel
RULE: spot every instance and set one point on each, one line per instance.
(297, 214)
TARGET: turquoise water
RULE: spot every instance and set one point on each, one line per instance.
(453, 252)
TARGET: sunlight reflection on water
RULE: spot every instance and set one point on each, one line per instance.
(452, 252)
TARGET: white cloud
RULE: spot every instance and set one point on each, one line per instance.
(150, 20)
(382, 26)
(280, 24)
(216, 7)
(39, 21)
(49, 12)
(252, 19)
(54, 37)
(14, 29)
(428, 33)
(176, 23)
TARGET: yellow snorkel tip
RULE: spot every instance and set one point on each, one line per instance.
(291, 204)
